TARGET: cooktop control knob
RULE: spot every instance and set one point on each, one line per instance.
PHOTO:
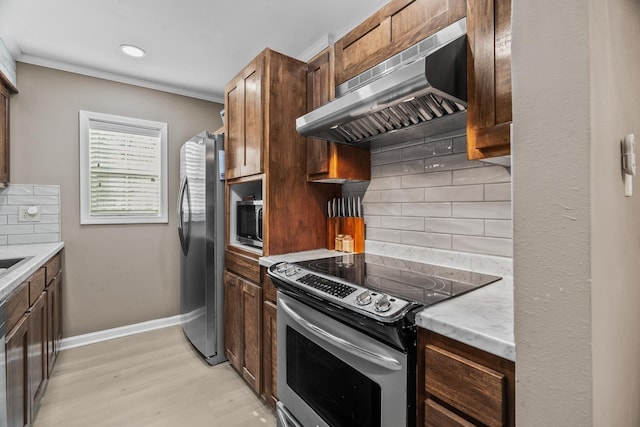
(282, 267)
(382, 304)
(364, 298)
(291, 270)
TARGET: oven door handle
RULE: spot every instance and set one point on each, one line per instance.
(378, 359)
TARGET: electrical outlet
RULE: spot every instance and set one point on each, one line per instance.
(29, 214)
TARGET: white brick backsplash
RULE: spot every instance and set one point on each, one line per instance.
(461, 193)
(16, 229)
(46, 190)
(484, 175)
(383, 235)
(32, 200)
(372, 221)
(497, 192)
(423, 180)
(483, 245)
(498, 228)
(404, 168)
(18, 190)
(431, 240)
(472, 227)
(21, 239)
(8, 210)
(49, 219)
(426, 209)
(371, 197)
(46, 197)
(385, 209)
(402, 223)
(404, 195)
(386, 157)
(422, 151)
(46, 228)
(489, 210)
(422, 195)
(385, 183)
(447, 163)
(50, 210)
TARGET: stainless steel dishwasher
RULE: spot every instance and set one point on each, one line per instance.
(3, 364)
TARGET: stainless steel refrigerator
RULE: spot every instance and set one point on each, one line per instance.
(201, 234)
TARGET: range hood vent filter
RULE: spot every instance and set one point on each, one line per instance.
(404, 103)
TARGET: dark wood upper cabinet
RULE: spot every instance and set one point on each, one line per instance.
(329, 161)
(395, 27)
(488, 78)
(6, 89)
(244, 122)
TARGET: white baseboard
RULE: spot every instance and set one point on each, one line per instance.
(123, 331)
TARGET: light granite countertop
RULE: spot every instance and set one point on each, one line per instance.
(482, 318)
(39, 253)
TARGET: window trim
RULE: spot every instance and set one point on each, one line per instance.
(85, 119)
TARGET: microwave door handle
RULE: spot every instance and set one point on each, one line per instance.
(258, 228)
(378, 359)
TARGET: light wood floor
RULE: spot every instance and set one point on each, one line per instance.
(153, 379)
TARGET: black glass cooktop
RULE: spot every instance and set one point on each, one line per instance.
(413, 281)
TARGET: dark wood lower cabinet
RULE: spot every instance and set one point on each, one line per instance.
(462, 386)
(270, 351)
(54, 320)
(243, 327)
(251, 302)
(17, 347)
(37, 364)
(33, 341)
(232, 341)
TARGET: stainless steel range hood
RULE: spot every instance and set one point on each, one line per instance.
(424, 96)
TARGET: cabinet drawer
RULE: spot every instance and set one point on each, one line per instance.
(243, 266)
(438, 416)
(36, 285)
(468, 386)
(53, 266)
(17, 305)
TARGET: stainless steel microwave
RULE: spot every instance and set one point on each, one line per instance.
(249, 222)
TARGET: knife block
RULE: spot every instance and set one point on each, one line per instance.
(353, 226)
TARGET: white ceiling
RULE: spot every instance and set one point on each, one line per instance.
(194, 47)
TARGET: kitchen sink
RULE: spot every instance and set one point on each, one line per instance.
(6, 265)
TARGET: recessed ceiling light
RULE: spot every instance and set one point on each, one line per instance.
(132, 50)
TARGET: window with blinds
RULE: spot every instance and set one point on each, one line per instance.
(123, 169)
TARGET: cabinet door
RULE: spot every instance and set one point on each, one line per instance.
(4, 135)
(54, 320)
(37, 325)
(244, 122)
(232, 337)
(488, 78)
(395, 27)
(251, 307)
(328, 161)
(17, 347)
(270, 359)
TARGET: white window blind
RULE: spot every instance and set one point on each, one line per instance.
(124, 169)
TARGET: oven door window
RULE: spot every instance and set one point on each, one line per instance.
(337, 392)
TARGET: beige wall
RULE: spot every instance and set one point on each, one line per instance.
(552, 213)
(576, 237)
(114, 275)
(615, 227)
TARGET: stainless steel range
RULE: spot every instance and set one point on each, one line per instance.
(347, 336)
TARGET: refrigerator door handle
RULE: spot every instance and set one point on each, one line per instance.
(184, 237)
